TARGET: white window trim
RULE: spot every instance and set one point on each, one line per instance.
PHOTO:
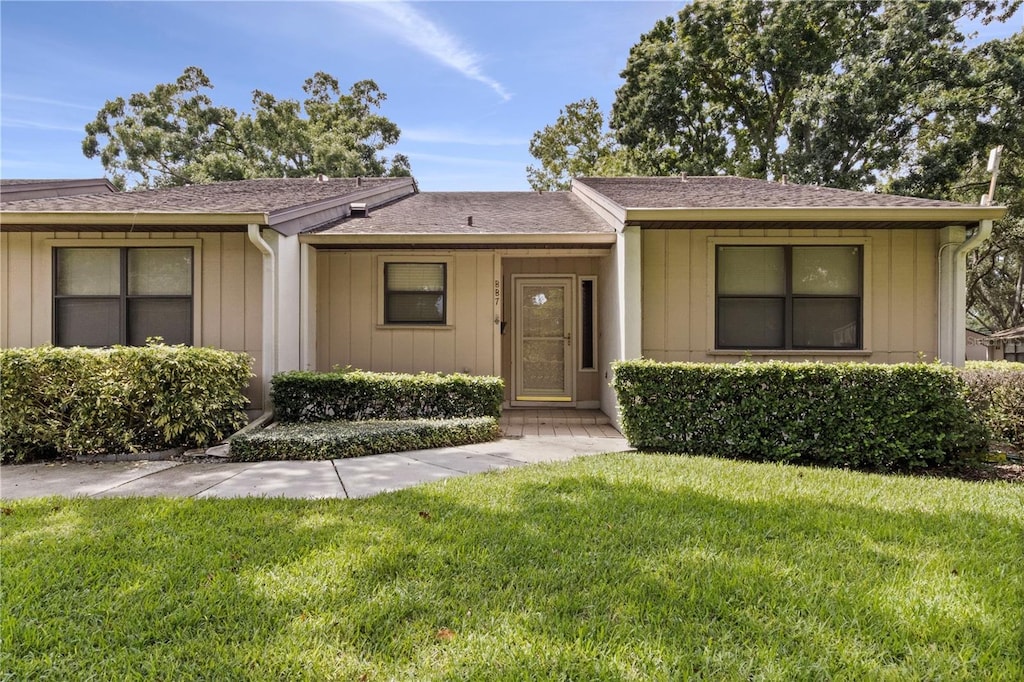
(803, 240)
(449, 289)
(197, 270)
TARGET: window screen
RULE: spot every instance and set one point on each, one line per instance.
(788, 297)
(415, 293)
(108, 296)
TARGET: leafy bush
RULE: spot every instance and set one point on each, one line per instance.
(338, 439)
(848, 415)
(73, 401)
(357, 395)
(996, 397)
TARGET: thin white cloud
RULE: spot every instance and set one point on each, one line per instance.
(51, 102)
(411, 26)
(457, 137)
(40, 125)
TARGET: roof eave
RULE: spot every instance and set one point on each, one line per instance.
(604, 206)
(952, 215)
(296, 219)
(432, 239)
(133, 218)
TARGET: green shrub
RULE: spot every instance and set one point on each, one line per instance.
(356, 395)
(996, 397)
(339, 439)
(848, 415)
(73, 401)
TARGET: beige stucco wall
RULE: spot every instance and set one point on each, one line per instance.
(227, 288)
(900, 293)
(349, 318)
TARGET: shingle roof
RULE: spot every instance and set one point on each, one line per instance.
(265, 195)
(24, 189)
(732, 192)
(491, 213)
(1008, 334)
(15, 182)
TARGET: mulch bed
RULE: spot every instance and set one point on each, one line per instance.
(1007, 464)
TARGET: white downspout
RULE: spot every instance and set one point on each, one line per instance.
(269, 315)
(946, 292)
(959, 321)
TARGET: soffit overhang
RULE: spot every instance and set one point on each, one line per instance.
(801, 217)
(461, 241)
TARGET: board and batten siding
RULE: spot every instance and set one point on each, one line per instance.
(350, 331)
(588, 382)
(900, 293)
(227, 288)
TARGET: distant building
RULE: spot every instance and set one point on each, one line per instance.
(979, 347)
(1009, 343)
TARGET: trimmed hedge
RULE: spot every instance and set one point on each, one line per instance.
(75, 401)
(857, 415)
(356, 395)
(339, 439)
(996, 397)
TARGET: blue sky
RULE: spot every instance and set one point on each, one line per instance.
(468, 83)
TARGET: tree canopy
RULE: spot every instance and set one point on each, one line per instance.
(175, 134)
(826, 93)
(860, 94)
(575, 145)
(949, 162)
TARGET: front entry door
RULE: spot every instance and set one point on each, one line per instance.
(544, 339)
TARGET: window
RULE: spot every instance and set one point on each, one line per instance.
(415, 293)
(107, 296)
(588, 331)
(788, 297)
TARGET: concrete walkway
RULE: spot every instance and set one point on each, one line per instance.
(340, 478)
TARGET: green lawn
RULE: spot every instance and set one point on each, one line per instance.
(608, 567)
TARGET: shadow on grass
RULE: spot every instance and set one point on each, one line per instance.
(607, 568)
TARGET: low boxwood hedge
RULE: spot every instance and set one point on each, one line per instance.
(358, 395)
(856, 415)
(996, 396)
(74, 401)
(339, 439)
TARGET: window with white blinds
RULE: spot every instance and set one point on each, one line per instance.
(415, 293)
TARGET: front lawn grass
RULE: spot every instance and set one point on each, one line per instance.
(613, 567)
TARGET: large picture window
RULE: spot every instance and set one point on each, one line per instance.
(108, 296)
(415, 293)
(788, 297)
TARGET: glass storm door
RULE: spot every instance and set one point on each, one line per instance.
(544, 350)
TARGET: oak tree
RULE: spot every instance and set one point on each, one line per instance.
(950, 162)
(827, 93)
(175, 134)
(573, 146)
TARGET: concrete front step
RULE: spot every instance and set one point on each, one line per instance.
(559, 416)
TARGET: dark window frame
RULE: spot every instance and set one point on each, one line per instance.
(443, 293)
(123, 297)
(789, 297)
